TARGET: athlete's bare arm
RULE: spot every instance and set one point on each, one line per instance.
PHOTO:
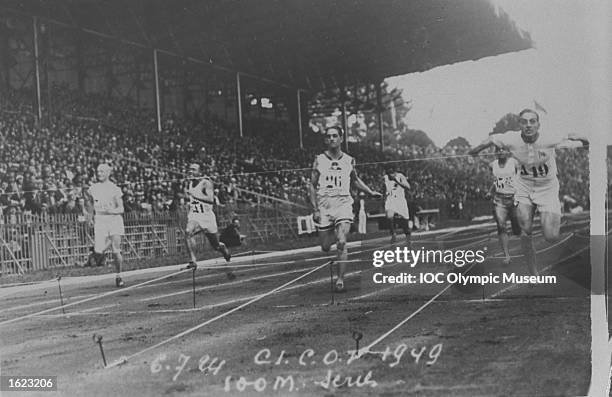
(579, 138)
(206, 193)
(483, 145)
(491, 190)
(401, 183)
(89, 208)
(118, 210)
(312, 188)
(359, 184)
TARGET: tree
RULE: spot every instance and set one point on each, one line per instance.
(414, 137)
(458, 142)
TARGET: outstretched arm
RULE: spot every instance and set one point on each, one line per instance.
(483, 145)
(579, 138)
(360, 185)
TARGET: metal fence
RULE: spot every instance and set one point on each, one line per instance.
(34, 242)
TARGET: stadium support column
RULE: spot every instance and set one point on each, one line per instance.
(379, 114)
(37, 68)
(299, 117)
(206, 99)
(5, 55)
(80, 64)
(157, 101)
(239, 103)
(344, 126)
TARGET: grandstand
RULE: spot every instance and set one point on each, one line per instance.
(152, 86)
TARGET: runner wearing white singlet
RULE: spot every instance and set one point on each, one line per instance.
(537, 186)
(201, 218)
(395, 202)
(333, 173)
(504, 173)
(104, 199)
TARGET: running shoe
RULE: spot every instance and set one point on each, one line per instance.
(226, 254)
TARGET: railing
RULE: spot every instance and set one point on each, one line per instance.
(29, 242)
(33, 242)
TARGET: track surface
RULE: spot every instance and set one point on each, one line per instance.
(503, 339)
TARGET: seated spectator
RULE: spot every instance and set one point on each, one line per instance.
(87, 129)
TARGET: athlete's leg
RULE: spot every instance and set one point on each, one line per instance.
(213, 239)
(327, 237)
(406, 227)
(102, 242)
(116, 248)
(547, 200)
(390, 214)
(516, 229)
(501, 215)
(342, 231)
(190, 231)
(551, 223)
(524, 216)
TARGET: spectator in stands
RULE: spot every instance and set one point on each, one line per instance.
(66, 152)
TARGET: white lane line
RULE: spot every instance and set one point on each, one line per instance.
(220, 316)
(208, 287)
(114, 292)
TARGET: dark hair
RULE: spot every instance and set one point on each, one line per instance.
(529, 111)
(337, 128)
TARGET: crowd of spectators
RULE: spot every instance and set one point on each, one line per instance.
(45, 169)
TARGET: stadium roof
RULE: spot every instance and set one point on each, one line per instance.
(309, 44)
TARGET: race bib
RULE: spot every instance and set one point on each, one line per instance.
(197, 207)
(536, 172)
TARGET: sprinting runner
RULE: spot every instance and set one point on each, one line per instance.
(505, 170)
(537, 186)
(333, 174)
(201, 218)
(104, 204)
(395, 203)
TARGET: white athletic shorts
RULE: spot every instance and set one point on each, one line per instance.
(543, 195)
(207, 221)
(335, 210)
(398, 206)
(106, 226)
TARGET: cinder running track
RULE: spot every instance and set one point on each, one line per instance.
(275, 331)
